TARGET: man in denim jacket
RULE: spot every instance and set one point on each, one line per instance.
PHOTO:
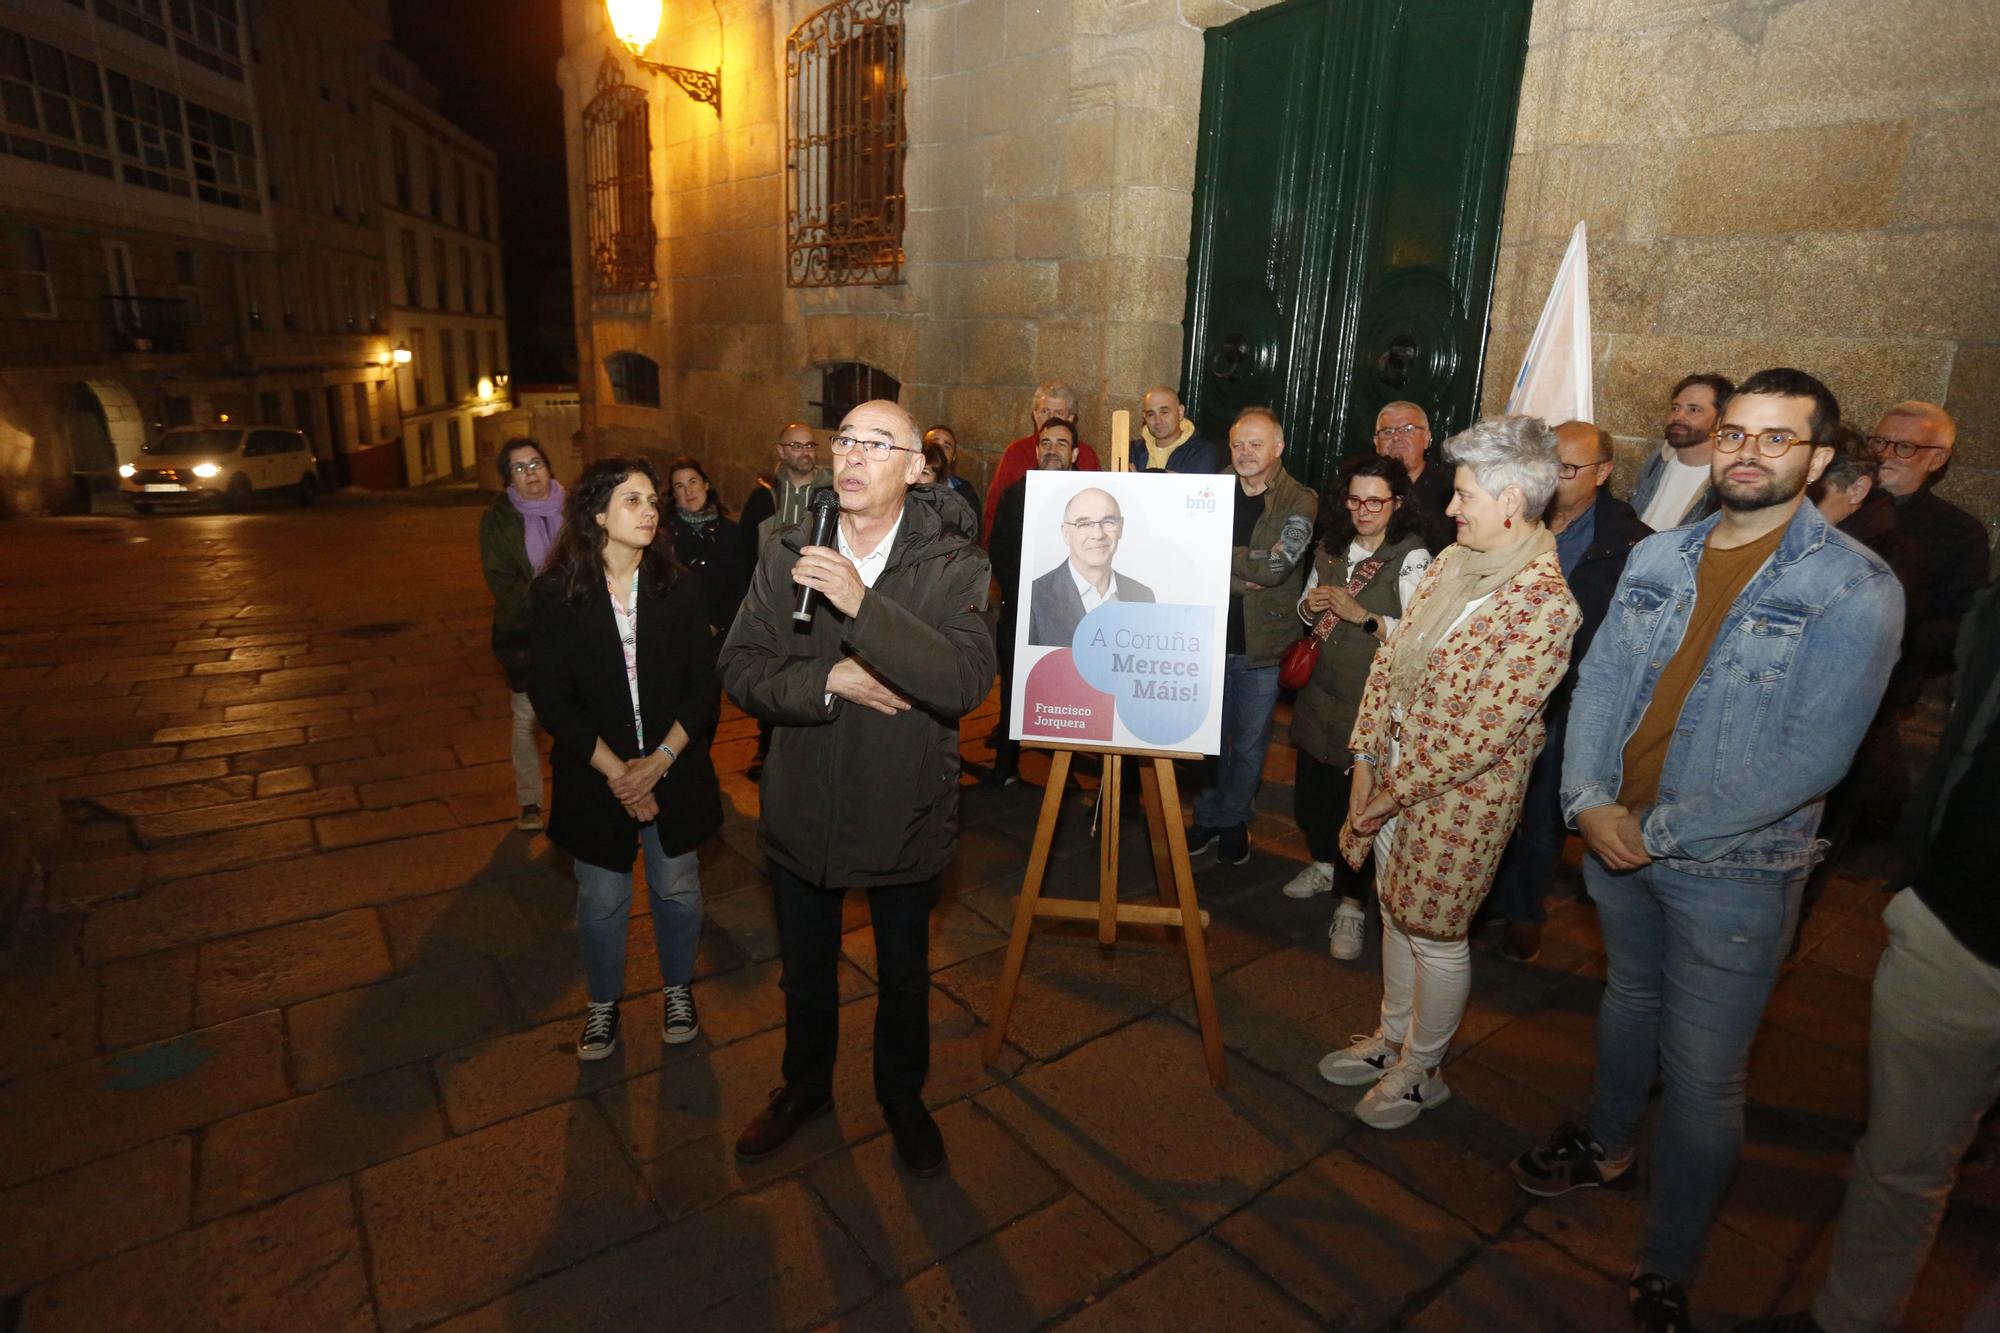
(1723, 697)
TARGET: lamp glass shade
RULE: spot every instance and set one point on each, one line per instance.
(634, 22)
(401, 356)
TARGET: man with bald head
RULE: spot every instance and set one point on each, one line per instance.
(1595, 531)
(1403, 432)
(861, 789)
(1092, 526)
(1169, 442)
(781, 496)
(1913, 442)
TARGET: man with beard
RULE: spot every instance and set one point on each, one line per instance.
(1403, 432)
(1673, 486)
(1725, 694)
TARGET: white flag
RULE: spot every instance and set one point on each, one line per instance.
(1554, 383)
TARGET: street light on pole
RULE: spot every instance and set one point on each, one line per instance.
(636, 24)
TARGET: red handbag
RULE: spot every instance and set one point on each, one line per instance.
(1296, 667)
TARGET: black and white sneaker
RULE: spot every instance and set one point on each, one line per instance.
(1658, 1305)
(1573, 1160)
(600, 1031)
(680, 1023)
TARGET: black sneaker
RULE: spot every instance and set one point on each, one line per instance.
(680, 1023)
(1235, 849)
(600, 1031)
(1572, 1160)
(1201, 837)
(1658, 1305)
(1795, 1321)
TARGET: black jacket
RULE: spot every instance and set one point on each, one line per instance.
(1429, 496)
(1957, 550)
(852, 797)
(1616, 530)
(714, 551)
(579, 690)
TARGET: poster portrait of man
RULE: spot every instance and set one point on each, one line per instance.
(1092, 527)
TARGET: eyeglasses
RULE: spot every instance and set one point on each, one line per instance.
(527, 469)
(808, 445)
(1090, 527)
(1770, 443)
(1369, 504)
(1404, 431)
(875, 449)
(1882, 445)
(1569, 470)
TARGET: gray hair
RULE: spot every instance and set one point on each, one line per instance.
(1048, 389)
(1509, 451)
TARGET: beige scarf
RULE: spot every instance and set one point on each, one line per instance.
(1464, 576)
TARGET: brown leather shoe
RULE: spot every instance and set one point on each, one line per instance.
(777, 1122)
(1522, 942)
(916, 1135)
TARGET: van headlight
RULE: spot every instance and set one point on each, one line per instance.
(207, 470)
(127, 470)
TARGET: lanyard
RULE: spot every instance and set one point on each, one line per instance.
(628, 637)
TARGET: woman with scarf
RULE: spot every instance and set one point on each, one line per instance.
(1449, 727)
(707, 541)
(516, 534)
(1366, 566)
(624, 679)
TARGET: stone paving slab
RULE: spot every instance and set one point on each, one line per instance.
(92, 1108)
(269, 969)
(1131, 1121)
(1200, 1286)
(147, 998)
(296, 1264)
(515, 1201)
(516, 1072)
(480, 920)
(1514, 1276)
(101, 1208)
(263, 1154)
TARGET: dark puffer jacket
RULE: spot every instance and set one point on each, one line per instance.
(852, 797)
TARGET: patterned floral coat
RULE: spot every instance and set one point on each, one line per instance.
(1468, 740)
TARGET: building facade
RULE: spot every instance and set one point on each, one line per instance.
(446, 302)
(1803, 183)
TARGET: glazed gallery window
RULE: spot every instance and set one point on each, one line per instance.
(618, 185)
(844, 146)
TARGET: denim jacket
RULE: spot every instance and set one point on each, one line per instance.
(1773, 721)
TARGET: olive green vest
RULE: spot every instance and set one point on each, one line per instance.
(1323, 715)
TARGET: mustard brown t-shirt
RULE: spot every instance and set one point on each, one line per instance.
(1718, 579)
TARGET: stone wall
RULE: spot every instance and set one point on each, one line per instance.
(1767, 182)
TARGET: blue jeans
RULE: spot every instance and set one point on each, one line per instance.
(604, 905)
(1249, 694)
(1690, 961)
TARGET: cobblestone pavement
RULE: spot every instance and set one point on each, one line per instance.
(292, 1046)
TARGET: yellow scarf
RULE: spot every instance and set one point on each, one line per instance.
(1157, 454)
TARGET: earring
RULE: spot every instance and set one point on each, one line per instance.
(1507, 523)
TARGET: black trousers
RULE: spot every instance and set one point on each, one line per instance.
(1005, 750)
(1319, 804)
(809, 920)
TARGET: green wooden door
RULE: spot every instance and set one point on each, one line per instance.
(1350, 174)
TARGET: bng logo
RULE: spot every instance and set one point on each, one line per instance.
(1203, 499)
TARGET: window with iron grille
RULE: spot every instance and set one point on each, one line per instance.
(618, 175)
(635, 379)
(846, 385)
(844, 146)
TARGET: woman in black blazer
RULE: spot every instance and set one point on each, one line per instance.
(624, 680)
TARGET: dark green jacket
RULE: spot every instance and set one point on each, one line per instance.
(852, 797)
(1323, 716)
(503, 557)
(1280, 545)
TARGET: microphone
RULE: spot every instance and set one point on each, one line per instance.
(825, 519)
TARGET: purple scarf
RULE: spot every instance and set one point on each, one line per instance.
(541, 520)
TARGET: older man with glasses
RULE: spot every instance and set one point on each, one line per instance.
(1403, 432)
(862, 785)
(1913, 443)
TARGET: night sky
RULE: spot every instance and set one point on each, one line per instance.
(495, 61)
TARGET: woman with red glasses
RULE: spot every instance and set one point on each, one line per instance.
(1370, 555)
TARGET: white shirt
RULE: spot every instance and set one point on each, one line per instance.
(1092, 598)
(1679, 484)
(870, 566)
(1407, 578)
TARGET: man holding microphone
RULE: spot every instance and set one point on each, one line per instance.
(861, 788)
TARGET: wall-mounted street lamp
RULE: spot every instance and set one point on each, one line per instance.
(401, 356)
(636, 23)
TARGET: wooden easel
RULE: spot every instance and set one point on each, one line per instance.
(1172, 873)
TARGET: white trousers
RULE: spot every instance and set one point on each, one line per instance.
(527, 754)
(1933, 1070)
(1425, 984)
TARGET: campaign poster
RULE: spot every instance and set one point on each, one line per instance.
(1120, 621)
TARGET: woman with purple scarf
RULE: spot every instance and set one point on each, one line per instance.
(515, 537)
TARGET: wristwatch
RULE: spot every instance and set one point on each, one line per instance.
(1372, 624)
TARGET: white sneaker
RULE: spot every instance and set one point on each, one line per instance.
(1313, 879)
(1401, 1095)
(1360, 1063)
(1343, 937)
